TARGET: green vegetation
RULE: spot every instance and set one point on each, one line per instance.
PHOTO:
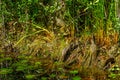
(59, 40)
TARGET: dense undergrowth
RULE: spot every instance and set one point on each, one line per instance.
(44, 55)
(59, 40)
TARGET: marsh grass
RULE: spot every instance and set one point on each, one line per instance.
(30, 50)
(42, 52)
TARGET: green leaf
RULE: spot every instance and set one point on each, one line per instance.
(74, 72)
(36, 1)
(44, 78)
(21, 68)
(76, 78)
(5, 71)
(24, 61)
(52, 75)
(112, 69)
(29, 1)
(118, 69)
(8, 58)
(37, 63)
(112, 75)
(30, 76)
